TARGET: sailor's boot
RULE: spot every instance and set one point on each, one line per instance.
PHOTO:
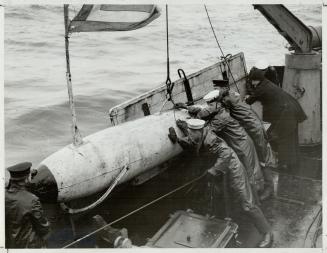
(267, 241)
(262, 225)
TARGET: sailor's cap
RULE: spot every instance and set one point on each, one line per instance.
(261, 64)
(195, 123)
(20, 170)
(257, 74)
(220, 83)
(211, 95)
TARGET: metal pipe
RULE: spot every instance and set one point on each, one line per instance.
(316, 36)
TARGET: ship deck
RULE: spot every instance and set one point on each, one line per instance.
(290, 212)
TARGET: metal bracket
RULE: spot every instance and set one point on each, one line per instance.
(187, 87)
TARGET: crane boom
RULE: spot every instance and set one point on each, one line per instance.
(298, 35)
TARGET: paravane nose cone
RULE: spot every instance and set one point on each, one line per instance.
(44, 185)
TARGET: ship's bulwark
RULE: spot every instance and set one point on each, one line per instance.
(77, 172)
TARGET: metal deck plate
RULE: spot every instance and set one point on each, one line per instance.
(189, 230)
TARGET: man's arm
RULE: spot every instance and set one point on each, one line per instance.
(221, 150)
(222, 162)
(251, 99)
(193, 110)
(39, 221)
(182, 125)
(207, 113)
(254, 94)
(185, 142)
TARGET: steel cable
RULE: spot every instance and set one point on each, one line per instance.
(136, 210)
(221, 51)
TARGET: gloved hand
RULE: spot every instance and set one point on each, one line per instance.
(210, 178)
(181, 124)
(246, 98)
(172, 135)
(214, 184)
(180, 106)
(214, 175)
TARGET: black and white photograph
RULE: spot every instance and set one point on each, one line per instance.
(161, 125)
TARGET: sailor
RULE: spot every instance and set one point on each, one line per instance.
(252, 124)
(283, 112)
(26, 225)
(270, 72)
(204, 141)
(230, 130)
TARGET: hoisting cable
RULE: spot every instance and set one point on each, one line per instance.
(169, 85)
(221, 51)
(137, 210)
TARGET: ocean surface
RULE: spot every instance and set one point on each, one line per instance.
(111, 67)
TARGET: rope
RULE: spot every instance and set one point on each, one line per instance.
(221, 51)
(170, 86)
(311, 224)
(317, 232)
(101, 199)
(136, 210)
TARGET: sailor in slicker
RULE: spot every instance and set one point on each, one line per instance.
(26, 225)
(203, 140)
(252, 124)
(283, 112)
(222, 124)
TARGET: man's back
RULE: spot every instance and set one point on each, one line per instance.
(25, 223)
(250, 121)
(274, 101)
(223, 125)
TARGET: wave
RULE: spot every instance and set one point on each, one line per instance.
(18, 14)
(127, 38)
(25, 43)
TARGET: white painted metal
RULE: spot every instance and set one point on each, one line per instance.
(200, 83)
(302, 79)
(141, 144)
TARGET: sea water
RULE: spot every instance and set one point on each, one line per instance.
(111, 67)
